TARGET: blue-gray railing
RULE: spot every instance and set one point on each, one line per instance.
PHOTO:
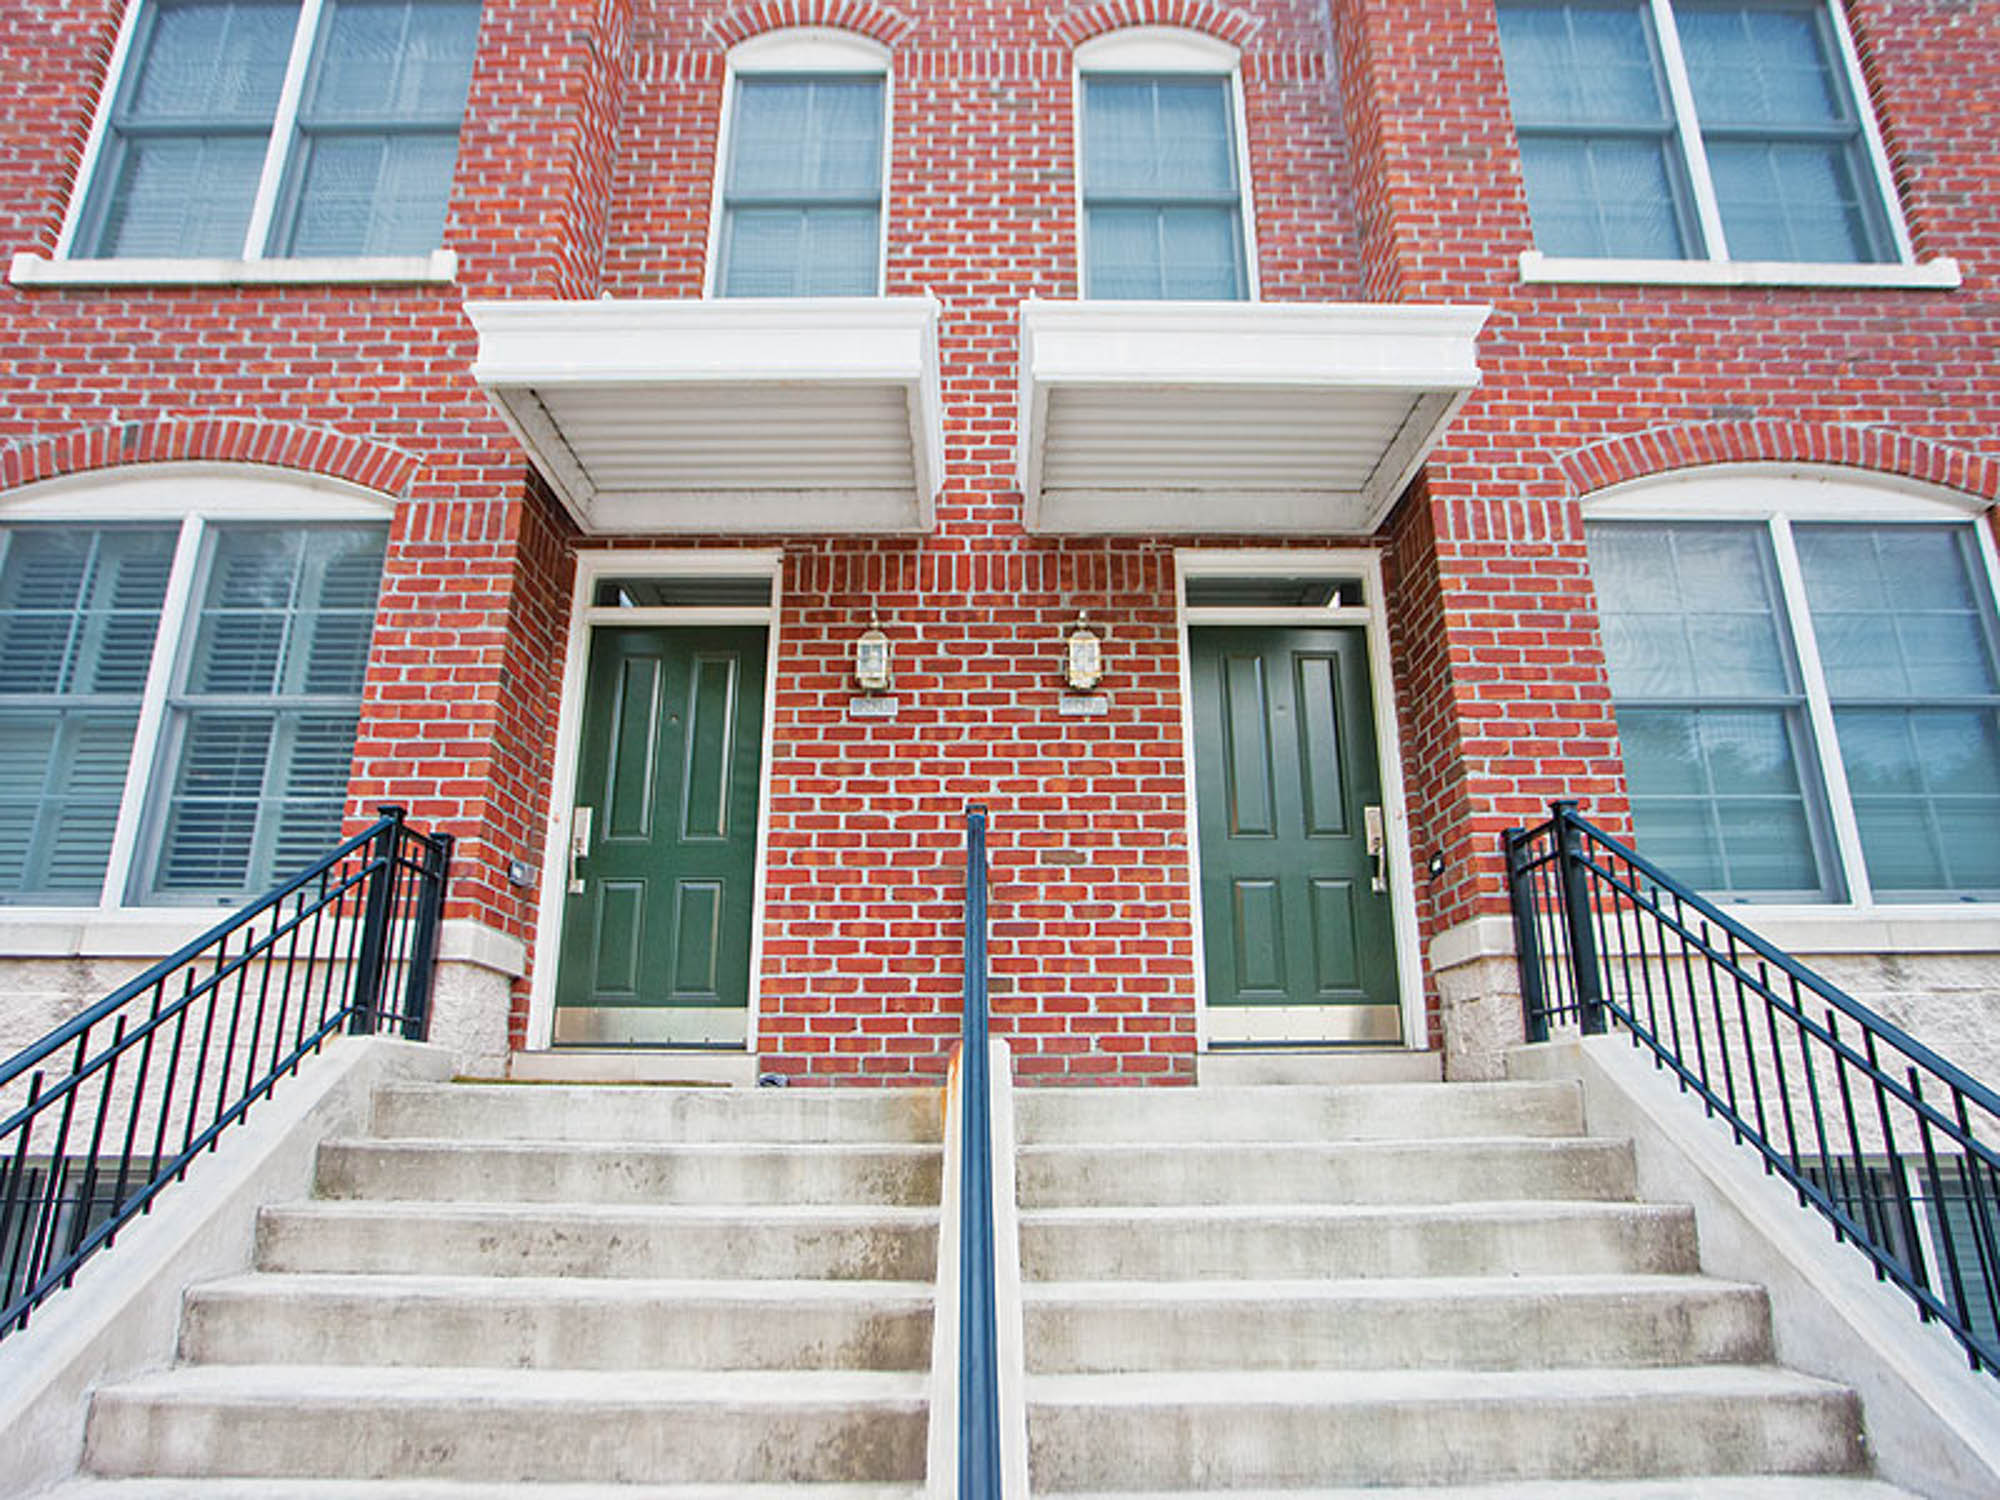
(100, 1115)
(978, 1329)
(1898, 1149)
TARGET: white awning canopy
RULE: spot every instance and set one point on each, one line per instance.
(1238, 418)
(768, 415)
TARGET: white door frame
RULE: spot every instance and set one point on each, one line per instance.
(591, 567)
(1364, 565)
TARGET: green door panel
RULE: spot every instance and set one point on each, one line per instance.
(1285, 764)
(668, 765)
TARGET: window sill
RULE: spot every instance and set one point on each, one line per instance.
(148, 934)
(438, 267)
(1940, 274)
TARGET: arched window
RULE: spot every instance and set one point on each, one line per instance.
(1162, 170)
(805, 151)
(181, 658)
(1806, 668)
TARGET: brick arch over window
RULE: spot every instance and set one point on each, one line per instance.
(1692, 445)
(738, 23)
(1227, 23)
(311, 450)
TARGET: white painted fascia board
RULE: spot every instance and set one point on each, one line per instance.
(1309, 345)
(1425, 425)
(533, 428)
(829, 512)
(1940, 274)
(438, 267)
(1164, 512)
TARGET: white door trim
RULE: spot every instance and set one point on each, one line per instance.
(584, 617)
(1363, 564)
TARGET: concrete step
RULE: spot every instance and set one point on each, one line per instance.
(364, 1422)
(1472, 1323)
(445, 1489)
(1317, 1065)
(1486, 1239)
(1699, 1487)
(1299, 1112)
(629, 1172)
(1351, 1172)
(579, 1112)
(559, 1323)
(472, 1239)
(1232, 1430)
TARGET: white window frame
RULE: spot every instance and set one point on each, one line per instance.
(1777, 497)
(1714, 266)
(592, 567)
(193, 497)
(256, 266)
(799, 49)
(1159, 51)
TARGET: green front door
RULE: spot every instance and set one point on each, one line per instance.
(1300, 942)
(656, 926)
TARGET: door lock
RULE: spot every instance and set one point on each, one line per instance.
(1371, 821)
(579, 847)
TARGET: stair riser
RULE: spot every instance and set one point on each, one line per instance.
(470, 1174)
(1227, 1447)
(1649, 1241)
(1574, 1171)
(631, 1442)
(519, 1333)
(1391, 1112)
(1468, 1334)
(662, 1115)
(413, 1244)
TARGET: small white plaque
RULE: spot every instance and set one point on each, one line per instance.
(1082, 705)
(871, 708)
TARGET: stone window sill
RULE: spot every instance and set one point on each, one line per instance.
(1939, 275)
(438, 267)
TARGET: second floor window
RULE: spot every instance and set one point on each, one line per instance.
(1162, 200)
(802, 191)
(246, 128)
(1693, 129)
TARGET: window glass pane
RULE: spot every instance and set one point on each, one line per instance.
(1690, 611)
(261, 734)
(1790, 200)
(1581, 65)
(1758, 65)
(395, 60)
(79, 611)
(180, 196)
(1200, 254)
(1124, 254)
(1926, 788)
(212, 61)
(1602, 197)
(373, 194)
(802, 204)
(1897, 611)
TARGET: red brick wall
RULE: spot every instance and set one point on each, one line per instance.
(1383, 167)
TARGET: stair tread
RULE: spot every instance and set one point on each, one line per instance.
(1317, 1146)
(388, 1284)
(450, 1489)
(663, 1213)
(1384, 1288)
(551, 1145)
(1483, 1208)
(303, 1387)
(1460, 1388)
(1705, 1487)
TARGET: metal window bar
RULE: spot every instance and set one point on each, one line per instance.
(1862, 1122)
(100, 1115)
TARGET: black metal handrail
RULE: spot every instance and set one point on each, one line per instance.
(978, 1320)
(1896, 1147)
(101, 1114)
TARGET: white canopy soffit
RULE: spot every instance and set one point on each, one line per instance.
(1179, 418)
(764, 415)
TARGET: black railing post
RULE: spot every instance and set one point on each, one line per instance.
(1577, 926)
(424, 942)
(979, 1468)
(371, 965)
(1527, 946)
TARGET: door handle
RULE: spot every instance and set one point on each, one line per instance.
(1371, 821)
(579, 847)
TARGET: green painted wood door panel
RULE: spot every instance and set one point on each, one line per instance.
(1285, 764)
(668, 765)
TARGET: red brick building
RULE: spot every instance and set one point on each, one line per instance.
(540, 413)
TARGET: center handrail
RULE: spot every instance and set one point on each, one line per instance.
(979, 1459)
